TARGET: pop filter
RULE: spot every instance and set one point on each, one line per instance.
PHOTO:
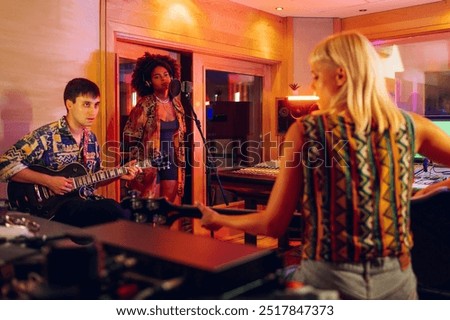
(175, 87)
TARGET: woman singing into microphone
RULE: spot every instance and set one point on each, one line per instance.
(156, 125)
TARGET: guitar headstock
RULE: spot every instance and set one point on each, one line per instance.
(157, 211)
(161, 211)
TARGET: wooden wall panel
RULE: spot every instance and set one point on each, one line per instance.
(43, 45)
(216, 25)
(427, 18)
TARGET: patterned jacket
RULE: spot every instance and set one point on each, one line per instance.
(143, 126)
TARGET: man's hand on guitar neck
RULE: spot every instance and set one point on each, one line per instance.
(57, 184)
(132, 170)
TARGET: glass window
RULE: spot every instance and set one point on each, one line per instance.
(417, 73)
(233, 115)
(418, 76)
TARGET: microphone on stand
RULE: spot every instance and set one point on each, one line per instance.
(186, 87)
(176, 87)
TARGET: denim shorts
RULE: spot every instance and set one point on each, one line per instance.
(381, 278)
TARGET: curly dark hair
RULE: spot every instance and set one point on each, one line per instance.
(145, 65)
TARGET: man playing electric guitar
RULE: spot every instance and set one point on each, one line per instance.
(58, 144)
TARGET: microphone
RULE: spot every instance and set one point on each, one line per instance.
(176, 87)
(186, 86)
(426, 162)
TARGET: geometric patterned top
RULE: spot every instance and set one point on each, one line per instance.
(357, 189)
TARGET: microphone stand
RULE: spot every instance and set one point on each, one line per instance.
(210, 165)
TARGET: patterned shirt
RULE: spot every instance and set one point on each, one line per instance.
(143, 125)
(51, 146)
(357, 190)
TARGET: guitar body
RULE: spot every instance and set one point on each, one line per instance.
(37, 199)
(41, 201)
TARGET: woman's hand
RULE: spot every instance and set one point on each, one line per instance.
(209, 216)
(434, 188)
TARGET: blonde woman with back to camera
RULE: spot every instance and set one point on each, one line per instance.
(350, 166)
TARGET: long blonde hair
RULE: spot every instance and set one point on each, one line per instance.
(364, 95)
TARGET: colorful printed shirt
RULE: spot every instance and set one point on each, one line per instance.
(357, 190)
(144, 126)
(51, 146)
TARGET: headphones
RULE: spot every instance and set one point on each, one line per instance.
(147, 83)
(154, 63)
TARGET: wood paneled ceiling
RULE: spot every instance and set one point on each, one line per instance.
(329, 8)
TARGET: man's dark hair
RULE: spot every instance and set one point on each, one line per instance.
(80, 87)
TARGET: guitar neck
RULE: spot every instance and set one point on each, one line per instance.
(188, 211)
(172, 212)
(100, 176)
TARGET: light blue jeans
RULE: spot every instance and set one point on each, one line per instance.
(381, 278)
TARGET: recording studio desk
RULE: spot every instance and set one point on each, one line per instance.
(253, 185)
(250, 184)
(424, 179)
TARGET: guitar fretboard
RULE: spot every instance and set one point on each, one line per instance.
(99, 176)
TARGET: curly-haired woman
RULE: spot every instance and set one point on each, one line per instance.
(156, 126)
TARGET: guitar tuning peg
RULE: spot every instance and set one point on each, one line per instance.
(134, 193)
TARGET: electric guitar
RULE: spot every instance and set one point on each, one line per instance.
(41, 201)
(160, 211)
